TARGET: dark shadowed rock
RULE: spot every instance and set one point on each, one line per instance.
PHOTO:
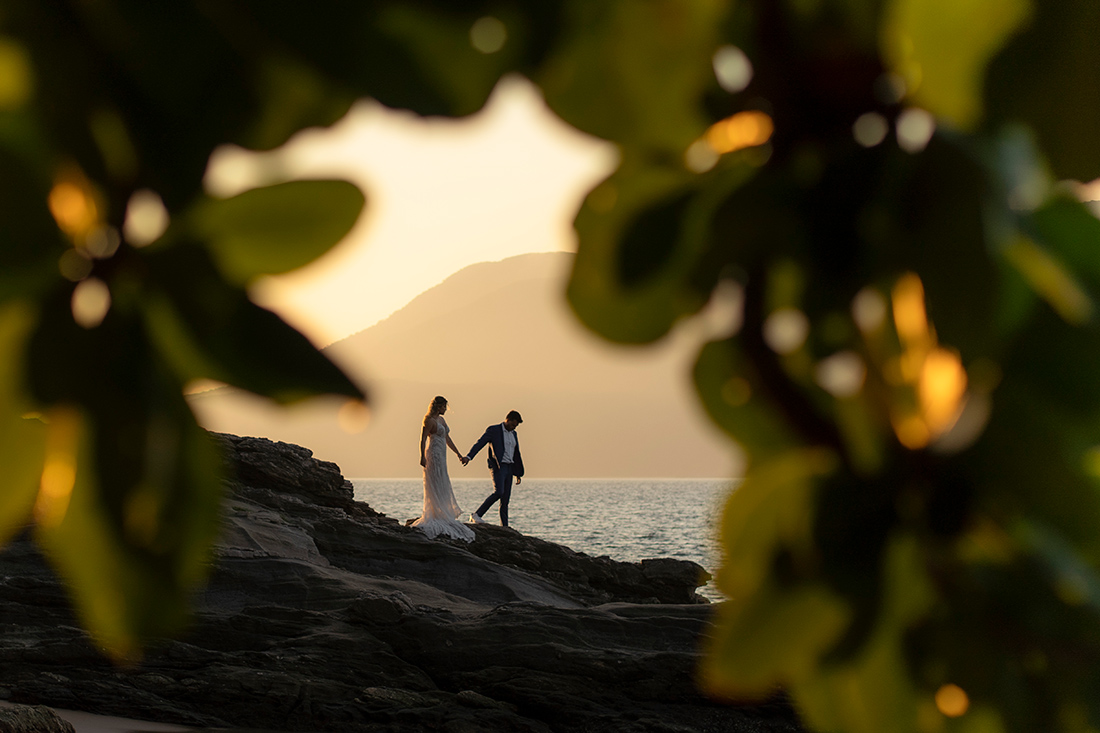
(32, 719)
(323, 615)
(289, 469)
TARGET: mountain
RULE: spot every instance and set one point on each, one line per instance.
(493, 337)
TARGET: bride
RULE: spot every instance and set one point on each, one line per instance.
(440, 513)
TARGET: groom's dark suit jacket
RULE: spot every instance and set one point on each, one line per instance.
(494, 436)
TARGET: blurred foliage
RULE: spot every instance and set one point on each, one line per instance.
(892, 187)
(122, 281)
(913, 377)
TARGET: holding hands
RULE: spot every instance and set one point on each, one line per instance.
(464, 459)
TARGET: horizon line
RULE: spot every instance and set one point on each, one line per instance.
(560, 478)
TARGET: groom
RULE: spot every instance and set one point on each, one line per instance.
(504, 461)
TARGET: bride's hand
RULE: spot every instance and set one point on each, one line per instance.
(422, 461)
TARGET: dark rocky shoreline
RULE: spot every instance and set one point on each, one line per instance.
(324, 615)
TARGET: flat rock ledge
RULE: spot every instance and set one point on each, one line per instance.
(322, 614)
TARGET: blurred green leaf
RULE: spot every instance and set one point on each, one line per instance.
(733, 397)
(1072, 232)
(774, 637)
(647, 63)
(1074, 581)
(594, 291)
(1050, 279)
(848, 197)
(272, 230)
(771, 511)
(347, 43)
(132, 551)
(443, 43)
(1023, 633)
(177, 80)
(941, 236)
(649, 243)
(30, 242)
(1046, 77)
(293, 96)
(1046, 405)
(207, 328)
(130, 491)
(873, 692)
(22, 434)
(177, 86)
(861, 424)
(631, 283)
(941, 49)
(417, 56)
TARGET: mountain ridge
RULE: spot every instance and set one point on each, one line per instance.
(454, 280)
(493, 337)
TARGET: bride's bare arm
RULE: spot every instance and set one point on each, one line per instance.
(451, 445)
(429, 426)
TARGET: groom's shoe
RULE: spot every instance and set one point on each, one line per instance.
(476, 518)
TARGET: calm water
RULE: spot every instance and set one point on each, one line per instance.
(626, 519)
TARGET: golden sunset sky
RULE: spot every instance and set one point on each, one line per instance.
(442, 194)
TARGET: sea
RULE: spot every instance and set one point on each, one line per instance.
(625, 519)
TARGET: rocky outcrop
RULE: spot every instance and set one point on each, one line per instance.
(322, 614)
(32, 719)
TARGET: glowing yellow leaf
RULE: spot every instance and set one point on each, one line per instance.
(16, 79)
(742, 130)
(59, 473)
(909, 314)
(1050, 280)
(75, 204)
(912, 432)
(941, 388)
(941, 48)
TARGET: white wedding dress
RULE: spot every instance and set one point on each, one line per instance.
(441, 511)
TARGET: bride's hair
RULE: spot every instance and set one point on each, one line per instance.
(437, 404)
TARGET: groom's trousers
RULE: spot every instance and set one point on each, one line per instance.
(502, 490)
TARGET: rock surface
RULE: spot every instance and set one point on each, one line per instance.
(32, 719)
(323, 615)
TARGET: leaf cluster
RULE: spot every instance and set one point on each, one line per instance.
(912, 373)
(122, 281)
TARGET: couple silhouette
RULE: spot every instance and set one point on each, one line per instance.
(441, 512)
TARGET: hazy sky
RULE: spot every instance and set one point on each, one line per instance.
(441, 194)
